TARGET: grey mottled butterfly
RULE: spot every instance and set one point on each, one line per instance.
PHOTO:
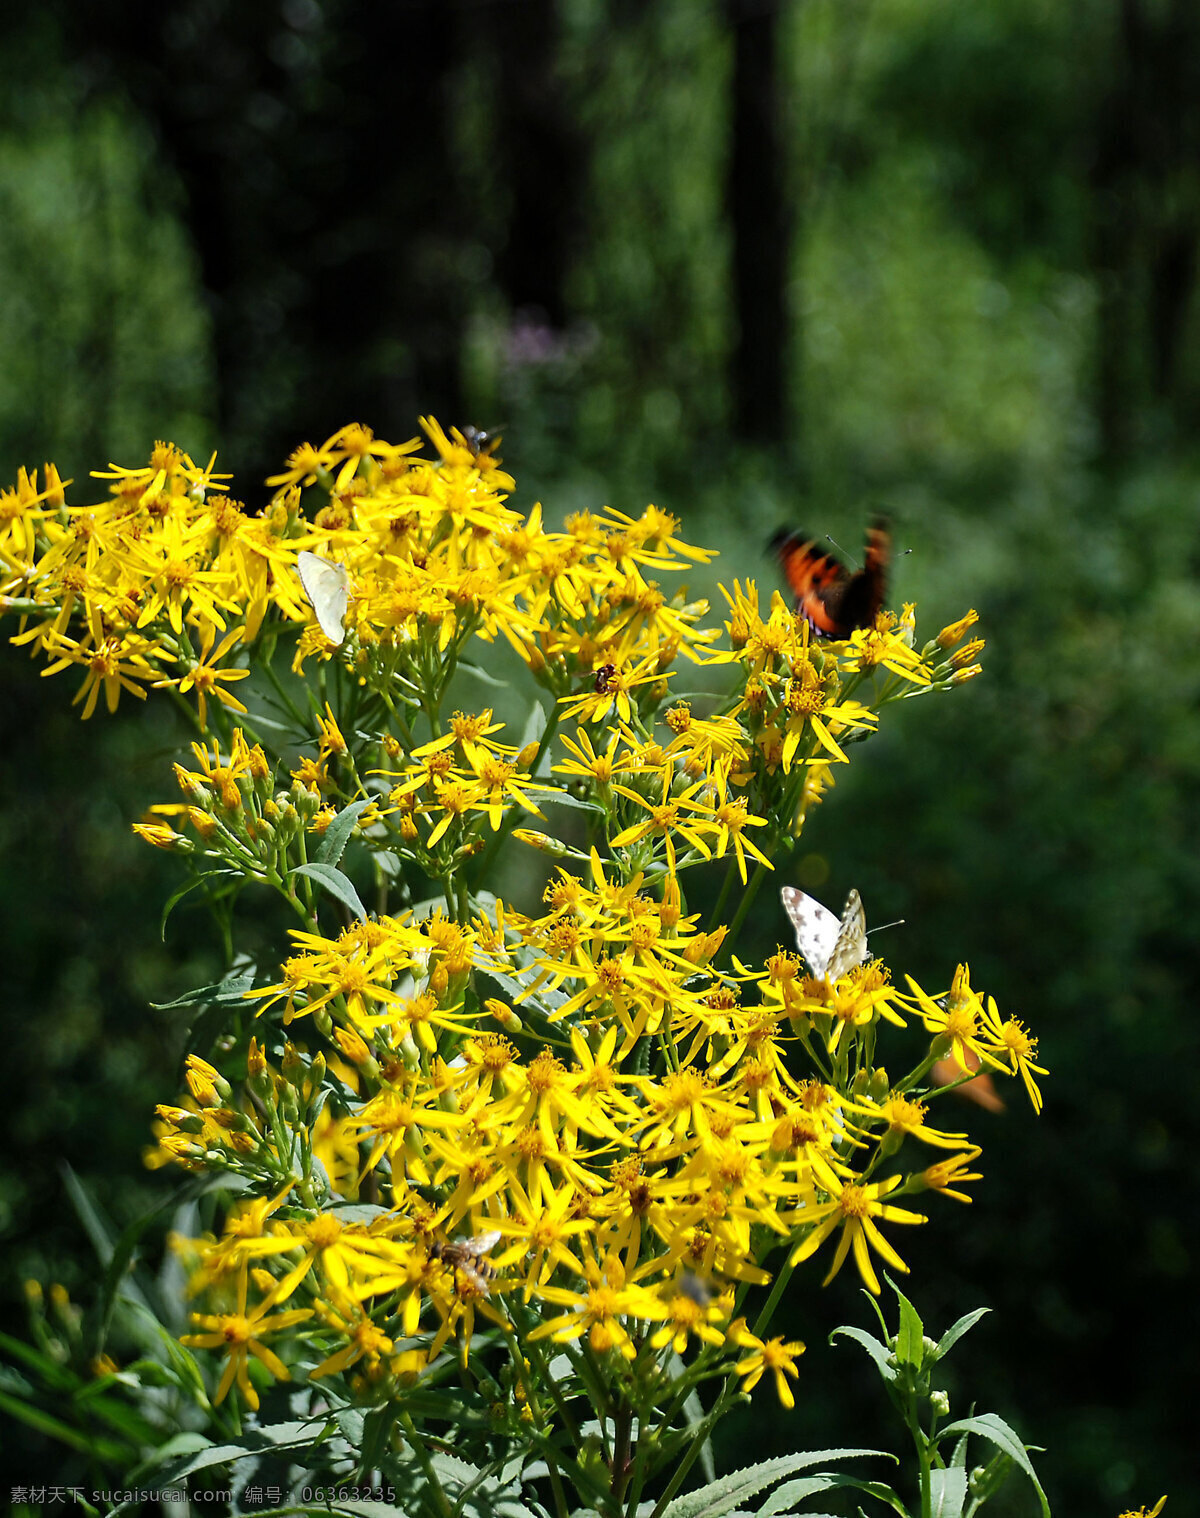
(831, 946)
(327, 586)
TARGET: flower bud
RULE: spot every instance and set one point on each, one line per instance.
(292, 1065)
(953, 634)
(192, 787)
(503, 1014)
(542, 842)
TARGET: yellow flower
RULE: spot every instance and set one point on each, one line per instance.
(204, 675)
(241, 1335)
(364, 1342)
(1013, 1043)
(600, 1311)
(947, 1173)
(593, 704)
(683, 815)
(957, 1018)
(693, 1311)
(732, 820)
(769, 1354)
(853, 1207)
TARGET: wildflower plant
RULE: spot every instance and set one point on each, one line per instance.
(498, 1199)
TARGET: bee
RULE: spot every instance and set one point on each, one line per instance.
(696, 1288)
(480, 441)
(604, 679)
(469, 1256)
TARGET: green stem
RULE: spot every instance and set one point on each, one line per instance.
(726, 886)
(556, 1486)
(297, 716)
(418, 1445)
(740, 915)
(510, 817)
(923, 1460)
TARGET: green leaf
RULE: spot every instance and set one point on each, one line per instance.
(33, 1417)
(546, 1001)
(226, 991)
(879, 1352)
(557, 797)
(797, 1491)
(952, 1335)
(337, 834)
(535, 725)
(337, 884)
(177, 896)
(373, 1435)
(52, 1374)
(987, 1482)
(115, 1254)
(910, 1337)
(989, 1426)
(720, 1498)
(482, 674)
(948, 1491)
(279, 1437)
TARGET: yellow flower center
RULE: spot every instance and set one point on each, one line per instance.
(854, 1202)
(324, 1231)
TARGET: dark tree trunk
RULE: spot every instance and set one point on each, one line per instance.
(1146, 231)
(760, 224)
(313, 147)
(541, 158)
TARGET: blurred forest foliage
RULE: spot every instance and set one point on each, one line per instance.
(762, 262)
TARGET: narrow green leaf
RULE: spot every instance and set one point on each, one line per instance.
(34, 1417)
(546, 1001)
(337, 884)
(115, 1255)
(186, 889)
(50, 1371)
(948, 1491)
(797, 1491)
(557, 797)
(989, 1426)
(337, 834)
(987, 1482)
(910, 1337)
(720, 1498)
(952, 1335)
(482, 674)
(879, 1352)
(278, 1437)
(226, 991)
(535, 725)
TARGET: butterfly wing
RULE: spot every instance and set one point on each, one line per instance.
(863, 596)
(850, 947)
(818, 581)
(834, 601)
(817, 928)
(327, 587)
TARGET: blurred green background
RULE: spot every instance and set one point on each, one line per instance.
(760, 263)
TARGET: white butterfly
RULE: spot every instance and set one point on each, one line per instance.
(831, 946)
(327, 587)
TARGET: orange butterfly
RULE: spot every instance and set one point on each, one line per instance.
(834, 600)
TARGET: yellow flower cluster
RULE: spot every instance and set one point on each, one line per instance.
(135, 590)
(630, 1146)
(588, 1123)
